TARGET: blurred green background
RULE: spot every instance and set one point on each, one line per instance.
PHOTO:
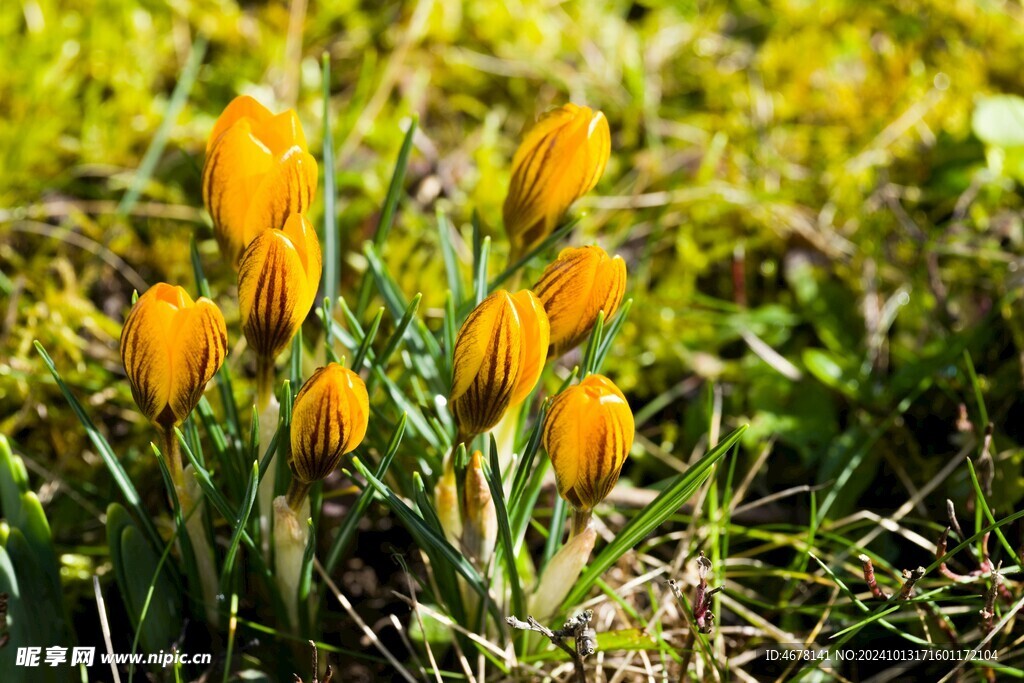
(818, 203)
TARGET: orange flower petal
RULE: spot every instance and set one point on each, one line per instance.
(287, 188)
(329, 419)
(536, 334)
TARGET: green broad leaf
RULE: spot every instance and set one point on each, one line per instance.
(999, 120)
(647, 520)
(625, 640)
(32, 619)
(36, 530)
(13, 482)
(161, 624)
(124, 483)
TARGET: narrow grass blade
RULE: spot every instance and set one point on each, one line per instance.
(548, 242)
(124, 483)
(240, 522)
(480, 281)
(590, 357)
(505, 532)
(364, 346)
(428, 539)
(348, 527)
(648, 519)
(332, 252)
(451, 260)
(159, 141)
(610, 332)
(387, 214)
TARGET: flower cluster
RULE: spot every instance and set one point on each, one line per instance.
(258, 184)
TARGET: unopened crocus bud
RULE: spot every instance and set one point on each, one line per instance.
(561, 573)
(588, 433)
(560, 159)
(171, 347)
(575, 288)
(446, 501)
(499, 354)
(329, 419)
(277, 283)
(257, 173)
(480, 526)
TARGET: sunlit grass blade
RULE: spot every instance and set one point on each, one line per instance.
(387, 214)
(505, 532)
(556, 529)
(648, 519)
(590, 356)
(480, 281)
(548, 242)
(240, 522)
(174, 106)
(124, 483)
(351, 522)
(610, 331)
(364, 346)
(451, 260)
(427, 538)
(979, 497)
(400, 329)
(332, 252)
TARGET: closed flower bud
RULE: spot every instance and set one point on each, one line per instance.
(329, 419)
(588, 433)
(277, 283)
(480, 526)
(446, 501)
(561, 573)
(560, 159)
(575, 288)
(171, 347)
(257, 173)
(499, 354)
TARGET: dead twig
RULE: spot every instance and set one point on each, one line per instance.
(316, 669)
(578, 628)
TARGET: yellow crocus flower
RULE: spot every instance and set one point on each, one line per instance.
(171, 347)
(329, 419)
(588, 433)
(257, 173)
(559, 160)
(277, 283)
(577, 286)
(499, 354)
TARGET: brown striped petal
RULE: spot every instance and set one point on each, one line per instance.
(535, 331)
(277, 282)
(257, 173)
(486, 364)
(560, 159)
(171, 347)
(329, 419)
(577, 286)
(588, 433)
